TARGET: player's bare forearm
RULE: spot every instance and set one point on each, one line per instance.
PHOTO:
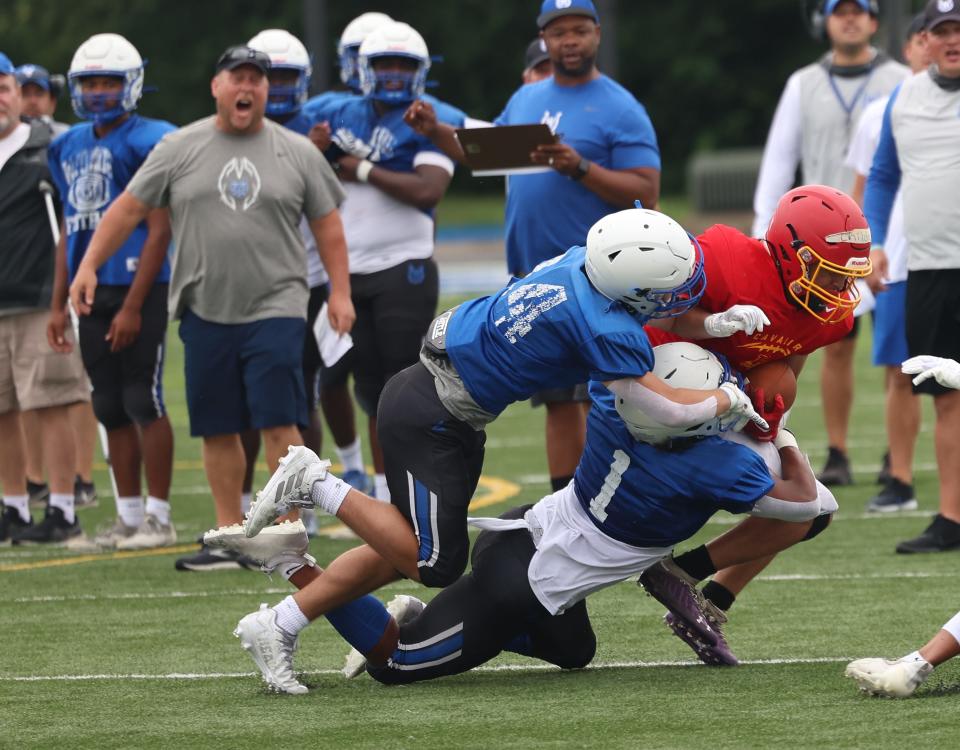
(114, 228)
(690, 324)
(423, 188)
(151, 258)
(445, 139)
(58, 300)
(621, 187)
(798, 483)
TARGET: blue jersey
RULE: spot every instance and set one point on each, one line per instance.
(649, 497)
(607, 126)
(386, 140)
(319, 108)
(90, 173)
(549, 330)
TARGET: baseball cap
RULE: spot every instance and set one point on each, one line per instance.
(867, 5)
(36, 74)
(536, 54)
(552, 9)
(241, 54)
(939, 11)
(917, 24)
(6, 67)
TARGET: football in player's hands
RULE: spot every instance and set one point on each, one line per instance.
(773, 389)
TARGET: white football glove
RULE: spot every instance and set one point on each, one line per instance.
(945, 371)
(741, 410)
(746, 318)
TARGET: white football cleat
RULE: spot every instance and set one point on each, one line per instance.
(149, 535)
(281, 546)
(271, 648)
(290, 486)
(404, 609)
(892, 679)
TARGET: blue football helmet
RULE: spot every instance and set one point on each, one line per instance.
(394, 39)
(106, 55)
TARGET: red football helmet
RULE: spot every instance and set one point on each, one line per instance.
(820, 240)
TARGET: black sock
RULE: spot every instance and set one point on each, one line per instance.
(696, 563)
(558, 483)
(719, 595)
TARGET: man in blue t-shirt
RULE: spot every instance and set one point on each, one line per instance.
(122, 340)
(606, 157)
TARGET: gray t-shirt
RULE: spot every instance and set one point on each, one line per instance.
(235, 205)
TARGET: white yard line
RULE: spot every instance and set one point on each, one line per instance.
(494, 668)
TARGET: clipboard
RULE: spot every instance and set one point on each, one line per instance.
(504, 150)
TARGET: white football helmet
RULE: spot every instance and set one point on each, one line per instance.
(394, 39)
(646, 260)
(286, 53)
(106, 55)
(348, 48)
(681, 365)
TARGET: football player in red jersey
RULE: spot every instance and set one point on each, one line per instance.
(801, 274)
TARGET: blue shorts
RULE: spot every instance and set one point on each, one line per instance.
(890, 326)
(243, 376)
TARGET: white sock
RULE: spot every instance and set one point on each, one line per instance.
(131, 511)
(65, 503)
(245, 500)
(290, 617)
(351, 457)
(915, 656)
(380, 489)
(21, 503)
(329, 493)
(159, 509)
(953, 627)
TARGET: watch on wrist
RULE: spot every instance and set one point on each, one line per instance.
(582, 168)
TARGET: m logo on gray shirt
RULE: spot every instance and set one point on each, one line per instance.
(239, 180)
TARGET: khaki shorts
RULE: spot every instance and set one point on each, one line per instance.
(32, 375)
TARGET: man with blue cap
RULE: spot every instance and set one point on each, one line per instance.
(40, 91)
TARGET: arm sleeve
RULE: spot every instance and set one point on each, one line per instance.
(634, 141)
(323, 190)
(884, 179)
(863, 146)
(662, 409)
(781, 156)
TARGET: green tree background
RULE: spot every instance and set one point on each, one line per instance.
(709, 73)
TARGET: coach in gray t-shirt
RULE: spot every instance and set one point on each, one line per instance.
(236, 185)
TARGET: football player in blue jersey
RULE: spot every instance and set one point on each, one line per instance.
(576, 318)
(640, 488)
(394, 179)
(122, 339)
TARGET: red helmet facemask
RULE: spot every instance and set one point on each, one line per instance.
(820, 240)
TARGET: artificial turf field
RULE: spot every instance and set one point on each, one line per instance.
(120, 650)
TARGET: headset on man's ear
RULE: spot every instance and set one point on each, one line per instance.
(818, 18)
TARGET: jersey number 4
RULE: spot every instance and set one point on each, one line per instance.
(598, 506)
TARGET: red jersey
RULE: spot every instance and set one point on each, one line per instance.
(740, 271)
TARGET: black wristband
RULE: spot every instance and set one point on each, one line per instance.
(582, 168)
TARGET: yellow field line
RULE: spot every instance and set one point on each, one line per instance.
(497, 490)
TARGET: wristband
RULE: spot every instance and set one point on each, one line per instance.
(785, 439)
(363, 170)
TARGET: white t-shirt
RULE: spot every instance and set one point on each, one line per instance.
(860, 159)
(13, 142)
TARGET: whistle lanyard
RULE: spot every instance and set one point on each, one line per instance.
(848, 107)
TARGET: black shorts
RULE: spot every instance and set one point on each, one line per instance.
(394, 308)
(855, 331)
(312, 363)
(433, 463)
(481, 614)
(933, 318)
(127, 385)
